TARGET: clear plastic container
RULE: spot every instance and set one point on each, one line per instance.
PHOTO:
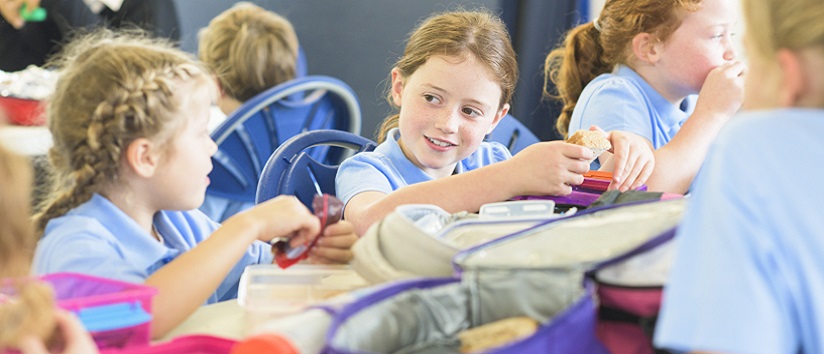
(268, 292)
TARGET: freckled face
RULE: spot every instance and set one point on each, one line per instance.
(703, 42)
(447, 106)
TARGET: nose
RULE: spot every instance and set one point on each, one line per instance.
(729, 50)
(447, 122)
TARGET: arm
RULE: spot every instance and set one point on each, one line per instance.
(546, 168)
(182, 291)
(677, 162)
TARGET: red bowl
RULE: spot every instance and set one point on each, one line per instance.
(22, 111)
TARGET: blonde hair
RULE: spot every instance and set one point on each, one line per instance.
(250, 50)
(776, 24)
(17, 240)
(113, 89)
(459, 33)
(588, 51)
(30, 312)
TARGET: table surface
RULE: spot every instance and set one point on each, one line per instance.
(222, 319)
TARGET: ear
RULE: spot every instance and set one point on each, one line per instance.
(142, 157)
(498, 116)
(793, 78)
(646, 48)
(397, 86)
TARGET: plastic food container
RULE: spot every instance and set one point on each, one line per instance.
(22, 111)
(268, 292)
(116, 313)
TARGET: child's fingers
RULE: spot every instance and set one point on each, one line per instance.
(644, 175)
(338, 228)
(631, 176)
(342, 241)
(31, 345)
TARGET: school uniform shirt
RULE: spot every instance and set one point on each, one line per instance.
(97, 238)
(748, 274)
(622, 100)
(386, 168)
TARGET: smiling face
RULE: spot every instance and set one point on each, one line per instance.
(182, 178)
(704, 41)
(447, 106)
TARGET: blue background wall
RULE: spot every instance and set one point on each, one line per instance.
(358, 41)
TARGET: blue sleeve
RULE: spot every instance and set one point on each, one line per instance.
(88, 253)
(723, 293)
(361, 173)
(613, 104)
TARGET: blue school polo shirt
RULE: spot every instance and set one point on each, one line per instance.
(748, 275)
(97, 238)
(622, 100)
(386, 168)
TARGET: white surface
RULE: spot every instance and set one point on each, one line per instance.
(36, 140)
(26, 140)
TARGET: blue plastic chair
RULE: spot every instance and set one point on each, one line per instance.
(291, 170)
(513, 134)
(249, 135)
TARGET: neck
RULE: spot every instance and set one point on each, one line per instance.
(660, 83)
(132, 205)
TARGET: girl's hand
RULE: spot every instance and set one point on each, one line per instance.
(632, 160)
(283, 216)
(74, 337)
(723, 91)
(549, 168)
(335, 245)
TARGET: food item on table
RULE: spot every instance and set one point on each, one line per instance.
(594, 140)
(496, 334)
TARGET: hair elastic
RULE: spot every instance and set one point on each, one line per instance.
(596, 24)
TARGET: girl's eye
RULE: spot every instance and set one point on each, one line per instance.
(431, 98)
(470, 111)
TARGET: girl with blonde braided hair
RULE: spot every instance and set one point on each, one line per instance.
(132, 155)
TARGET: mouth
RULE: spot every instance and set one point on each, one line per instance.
(439, 143)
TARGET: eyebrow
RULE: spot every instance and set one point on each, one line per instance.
(484, 106)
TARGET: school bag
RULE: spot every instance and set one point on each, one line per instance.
(418, 240)
(549, 272)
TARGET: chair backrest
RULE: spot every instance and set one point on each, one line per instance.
(513, 134)
(249, 135)
(292, 170)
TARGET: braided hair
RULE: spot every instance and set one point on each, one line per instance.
(113, 89)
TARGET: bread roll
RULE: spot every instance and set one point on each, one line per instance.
(594, 140)
(496, 334)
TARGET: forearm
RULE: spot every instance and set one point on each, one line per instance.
(677, 162)
(187, 282)
(461, 192)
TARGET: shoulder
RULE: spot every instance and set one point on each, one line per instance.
(488, 152)
(613, 85)
(493, 151)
